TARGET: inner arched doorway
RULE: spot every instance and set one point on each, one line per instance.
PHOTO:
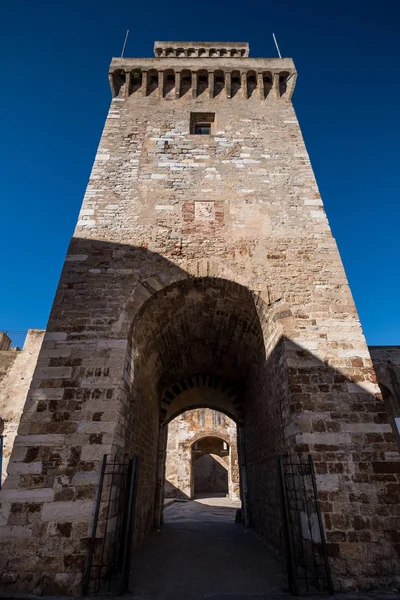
(210, 467)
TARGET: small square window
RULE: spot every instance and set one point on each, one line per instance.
(202, 123)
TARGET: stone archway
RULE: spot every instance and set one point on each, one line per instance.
(206, 342)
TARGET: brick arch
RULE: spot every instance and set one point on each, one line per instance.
(202, 380)
(213, 433)
(165, 419)
(228, 308)
(196, 454)
(264, 300)
(255, 325)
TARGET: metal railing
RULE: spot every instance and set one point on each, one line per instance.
(109, 557)
(17, 337)
(306, 552)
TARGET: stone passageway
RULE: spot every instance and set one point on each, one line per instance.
(201, 553)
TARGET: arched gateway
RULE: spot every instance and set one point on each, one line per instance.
(202, 273)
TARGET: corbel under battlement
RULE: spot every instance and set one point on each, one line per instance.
(176, 76)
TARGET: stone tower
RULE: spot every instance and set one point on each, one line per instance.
(202, 273)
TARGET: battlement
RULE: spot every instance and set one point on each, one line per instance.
(201, 49)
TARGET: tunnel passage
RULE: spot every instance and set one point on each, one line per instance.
(206, 342)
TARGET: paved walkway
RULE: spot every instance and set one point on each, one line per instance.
(201, 553)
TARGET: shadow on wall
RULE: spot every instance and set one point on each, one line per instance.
(143, 315)
(171, 491)
(210, 475)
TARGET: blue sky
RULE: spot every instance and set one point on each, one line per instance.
(55, 96)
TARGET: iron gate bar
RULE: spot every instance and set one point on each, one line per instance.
(288, 538)
(297, 510)
(317, 578)
(111, 566)
(300, 501)
(114, 562)
(122, 503)
(101, 565)
(86, 578)
(128, 538)
(321, 527)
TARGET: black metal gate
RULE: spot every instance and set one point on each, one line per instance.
(109, 556)
(306, 552)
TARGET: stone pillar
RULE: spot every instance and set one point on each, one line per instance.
(243, 77)
(144, 83)
(211, 84)
(161, 84)
(128, 83)
(112, 85)
(260, 83)
(228, 84)
(177, 84)
(275, 85)
(194, 84)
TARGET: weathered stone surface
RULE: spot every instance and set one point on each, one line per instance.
(68, 512)
(16, 371)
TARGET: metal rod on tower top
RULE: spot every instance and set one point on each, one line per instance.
(124, 46)
(277, 47)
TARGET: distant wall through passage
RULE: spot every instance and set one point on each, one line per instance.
(210, 476)
(192, 436)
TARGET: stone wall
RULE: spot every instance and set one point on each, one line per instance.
(386, 361)
(206, 263)
(194, 434)
(16, 372)
(210, 476)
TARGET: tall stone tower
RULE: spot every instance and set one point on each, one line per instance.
(202, 273)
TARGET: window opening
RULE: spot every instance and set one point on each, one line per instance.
(283, 83)
(202, 123)
(152, 82)
(202, 82)
(219, 82)
(235, 83)
(251, 84)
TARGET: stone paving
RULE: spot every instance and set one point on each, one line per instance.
(201, 553)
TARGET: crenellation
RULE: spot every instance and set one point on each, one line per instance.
(201, 49)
